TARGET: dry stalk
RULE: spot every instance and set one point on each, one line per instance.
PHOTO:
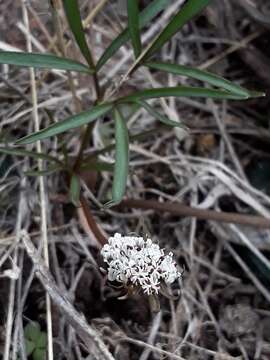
(12, 289)
(203, 214)
(42, 194)
(88, 20)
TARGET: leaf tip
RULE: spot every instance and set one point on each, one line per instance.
(255, 94)
(22, 141)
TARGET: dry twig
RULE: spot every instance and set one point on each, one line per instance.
(203, 214)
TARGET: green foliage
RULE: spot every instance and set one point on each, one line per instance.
(201, 75)
(74, 190)
(70, 123)
(144, 18)
(134, 26)
(75, 23)
(35, 341)
(119, 106)
(97, 166)
(186, 13)
(29, 154)
(180, 91)
(159, 116)
(41, 61)
(120, 173)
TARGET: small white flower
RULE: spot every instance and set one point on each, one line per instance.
(134, 261)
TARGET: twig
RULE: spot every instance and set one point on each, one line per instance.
(60, 298)
(94, 12)
(12, 289)
(184, 210)
(231, 50)
(193, 225)
(18, 333)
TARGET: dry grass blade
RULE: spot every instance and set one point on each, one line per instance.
(12, 289)
(42, 194)
(201, 194)
(88, 20)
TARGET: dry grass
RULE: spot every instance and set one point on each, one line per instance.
(223, 311)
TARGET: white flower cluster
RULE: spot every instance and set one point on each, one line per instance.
(134, 261)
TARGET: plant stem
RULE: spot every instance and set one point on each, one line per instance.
(92, 222)
(97, 88)
(87, 132)
(84, 142)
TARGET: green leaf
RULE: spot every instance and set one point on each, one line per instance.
(256, 94)
(42, 340)
(97, 166)
(144, 17)
(32, 331)
(74, 190)
(30, 154)
(40, 61)
(180, 91)
(186, 13)
(197, 74)
(75, 23)
(160, 117)
(67, 124)
(39, 354)
(121, 160)
(133, 26)
(29, 347)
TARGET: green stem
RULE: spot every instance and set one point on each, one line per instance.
(88, 131)
(84, 142)
(97, 88)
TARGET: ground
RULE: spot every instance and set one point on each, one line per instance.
(186, 190)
